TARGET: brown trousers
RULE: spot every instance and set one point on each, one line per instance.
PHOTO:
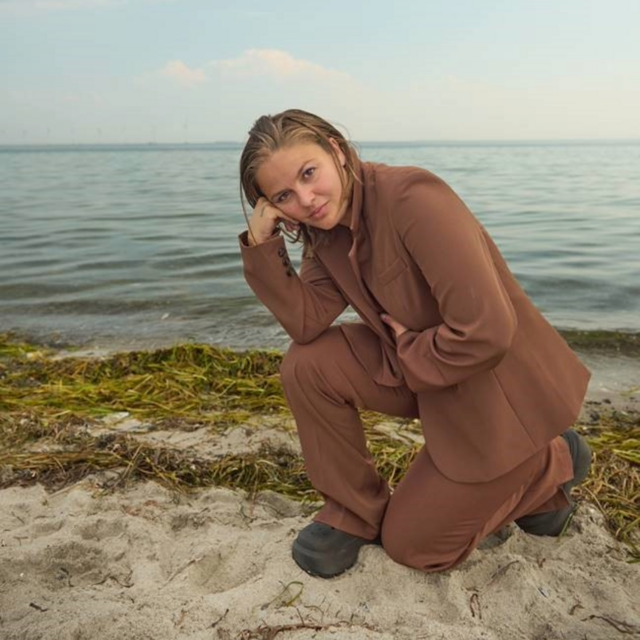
(429, 522)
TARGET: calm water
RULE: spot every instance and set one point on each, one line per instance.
(138, 245)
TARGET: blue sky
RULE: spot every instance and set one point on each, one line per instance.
(203, 70)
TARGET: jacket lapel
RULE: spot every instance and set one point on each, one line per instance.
(340, 258)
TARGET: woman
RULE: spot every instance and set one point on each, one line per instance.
(447, 336)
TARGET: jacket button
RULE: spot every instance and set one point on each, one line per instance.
(286, 262)
(282, 251)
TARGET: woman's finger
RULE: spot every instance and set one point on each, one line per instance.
(397, 327)
(263, 206)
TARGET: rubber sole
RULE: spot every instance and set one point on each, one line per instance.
(581, 455)
(325, 552)
(554, 522)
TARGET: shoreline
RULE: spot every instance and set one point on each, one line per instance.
(601, 341)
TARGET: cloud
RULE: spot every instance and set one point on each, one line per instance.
(265, 63)
(276, 63)
(179, 72)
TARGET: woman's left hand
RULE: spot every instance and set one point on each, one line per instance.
(397, 327)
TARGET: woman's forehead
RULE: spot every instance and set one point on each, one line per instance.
(284, 165)
(293, 153)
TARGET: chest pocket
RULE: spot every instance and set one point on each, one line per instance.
(397, 267)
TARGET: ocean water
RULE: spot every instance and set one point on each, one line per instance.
(137, 245)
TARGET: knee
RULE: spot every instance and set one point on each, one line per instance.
(422, 552)
(392, 546)
(295, 360)
(396, 545)
(303, 359)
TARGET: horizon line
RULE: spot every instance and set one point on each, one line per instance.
(235, 143)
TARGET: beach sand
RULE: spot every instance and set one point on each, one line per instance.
(148, 563)
(145, 563)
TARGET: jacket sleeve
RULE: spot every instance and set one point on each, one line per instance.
(305, 304)
(478, 320)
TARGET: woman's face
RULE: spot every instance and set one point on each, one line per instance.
(302, 180)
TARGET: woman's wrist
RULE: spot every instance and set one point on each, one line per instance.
(254, 241)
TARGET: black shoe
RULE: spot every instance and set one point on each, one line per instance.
(553, 522)
(326, 552)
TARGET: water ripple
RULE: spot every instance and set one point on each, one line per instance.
(135, 234)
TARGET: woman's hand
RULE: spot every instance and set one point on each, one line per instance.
(397, 327)
(265, 219)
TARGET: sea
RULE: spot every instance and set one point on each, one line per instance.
(137, 245)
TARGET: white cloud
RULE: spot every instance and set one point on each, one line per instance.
(179, 72)
(265, 63)
(274, 62)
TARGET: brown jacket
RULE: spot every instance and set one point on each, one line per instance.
(494, 381)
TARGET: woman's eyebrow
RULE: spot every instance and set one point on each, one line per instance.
(300, 170)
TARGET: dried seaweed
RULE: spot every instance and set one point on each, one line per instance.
(47, 403)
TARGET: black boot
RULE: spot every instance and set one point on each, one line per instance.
(326, 552)
(553, 522)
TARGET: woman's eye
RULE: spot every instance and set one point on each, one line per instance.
(309, 172)
(282, 197)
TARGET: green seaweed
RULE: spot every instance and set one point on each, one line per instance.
(47, 404)
(615, 342)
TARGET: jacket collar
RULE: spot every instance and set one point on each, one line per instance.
(357, 197)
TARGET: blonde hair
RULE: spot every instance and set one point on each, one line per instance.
(294, 126)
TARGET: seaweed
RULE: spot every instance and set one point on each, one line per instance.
(48, 404)
(615, 342)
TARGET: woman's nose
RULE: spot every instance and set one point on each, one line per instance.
(306, 196)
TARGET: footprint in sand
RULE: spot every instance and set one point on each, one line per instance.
(226, 565)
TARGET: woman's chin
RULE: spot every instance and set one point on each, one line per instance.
(323, 225)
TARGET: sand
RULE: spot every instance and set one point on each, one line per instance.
(147, 563)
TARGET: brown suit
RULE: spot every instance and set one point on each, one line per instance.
(493, 383)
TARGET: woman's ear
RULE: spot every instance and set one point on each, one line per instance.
(338, 151)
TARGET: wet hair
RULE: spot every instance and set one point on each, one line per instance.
(291, 127)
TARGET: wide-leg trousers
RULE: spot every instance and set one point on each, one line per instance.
(428, 522)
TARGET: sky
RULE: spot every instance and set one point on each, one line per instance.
(197, 71)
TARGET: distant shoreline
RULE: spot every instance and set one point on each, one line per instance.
(600, 342)
(364, 144)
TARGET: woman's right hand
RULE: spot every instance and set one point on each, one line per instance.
(264, 220)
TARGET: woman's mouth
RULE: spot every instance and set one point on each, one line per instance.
(319, 212)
